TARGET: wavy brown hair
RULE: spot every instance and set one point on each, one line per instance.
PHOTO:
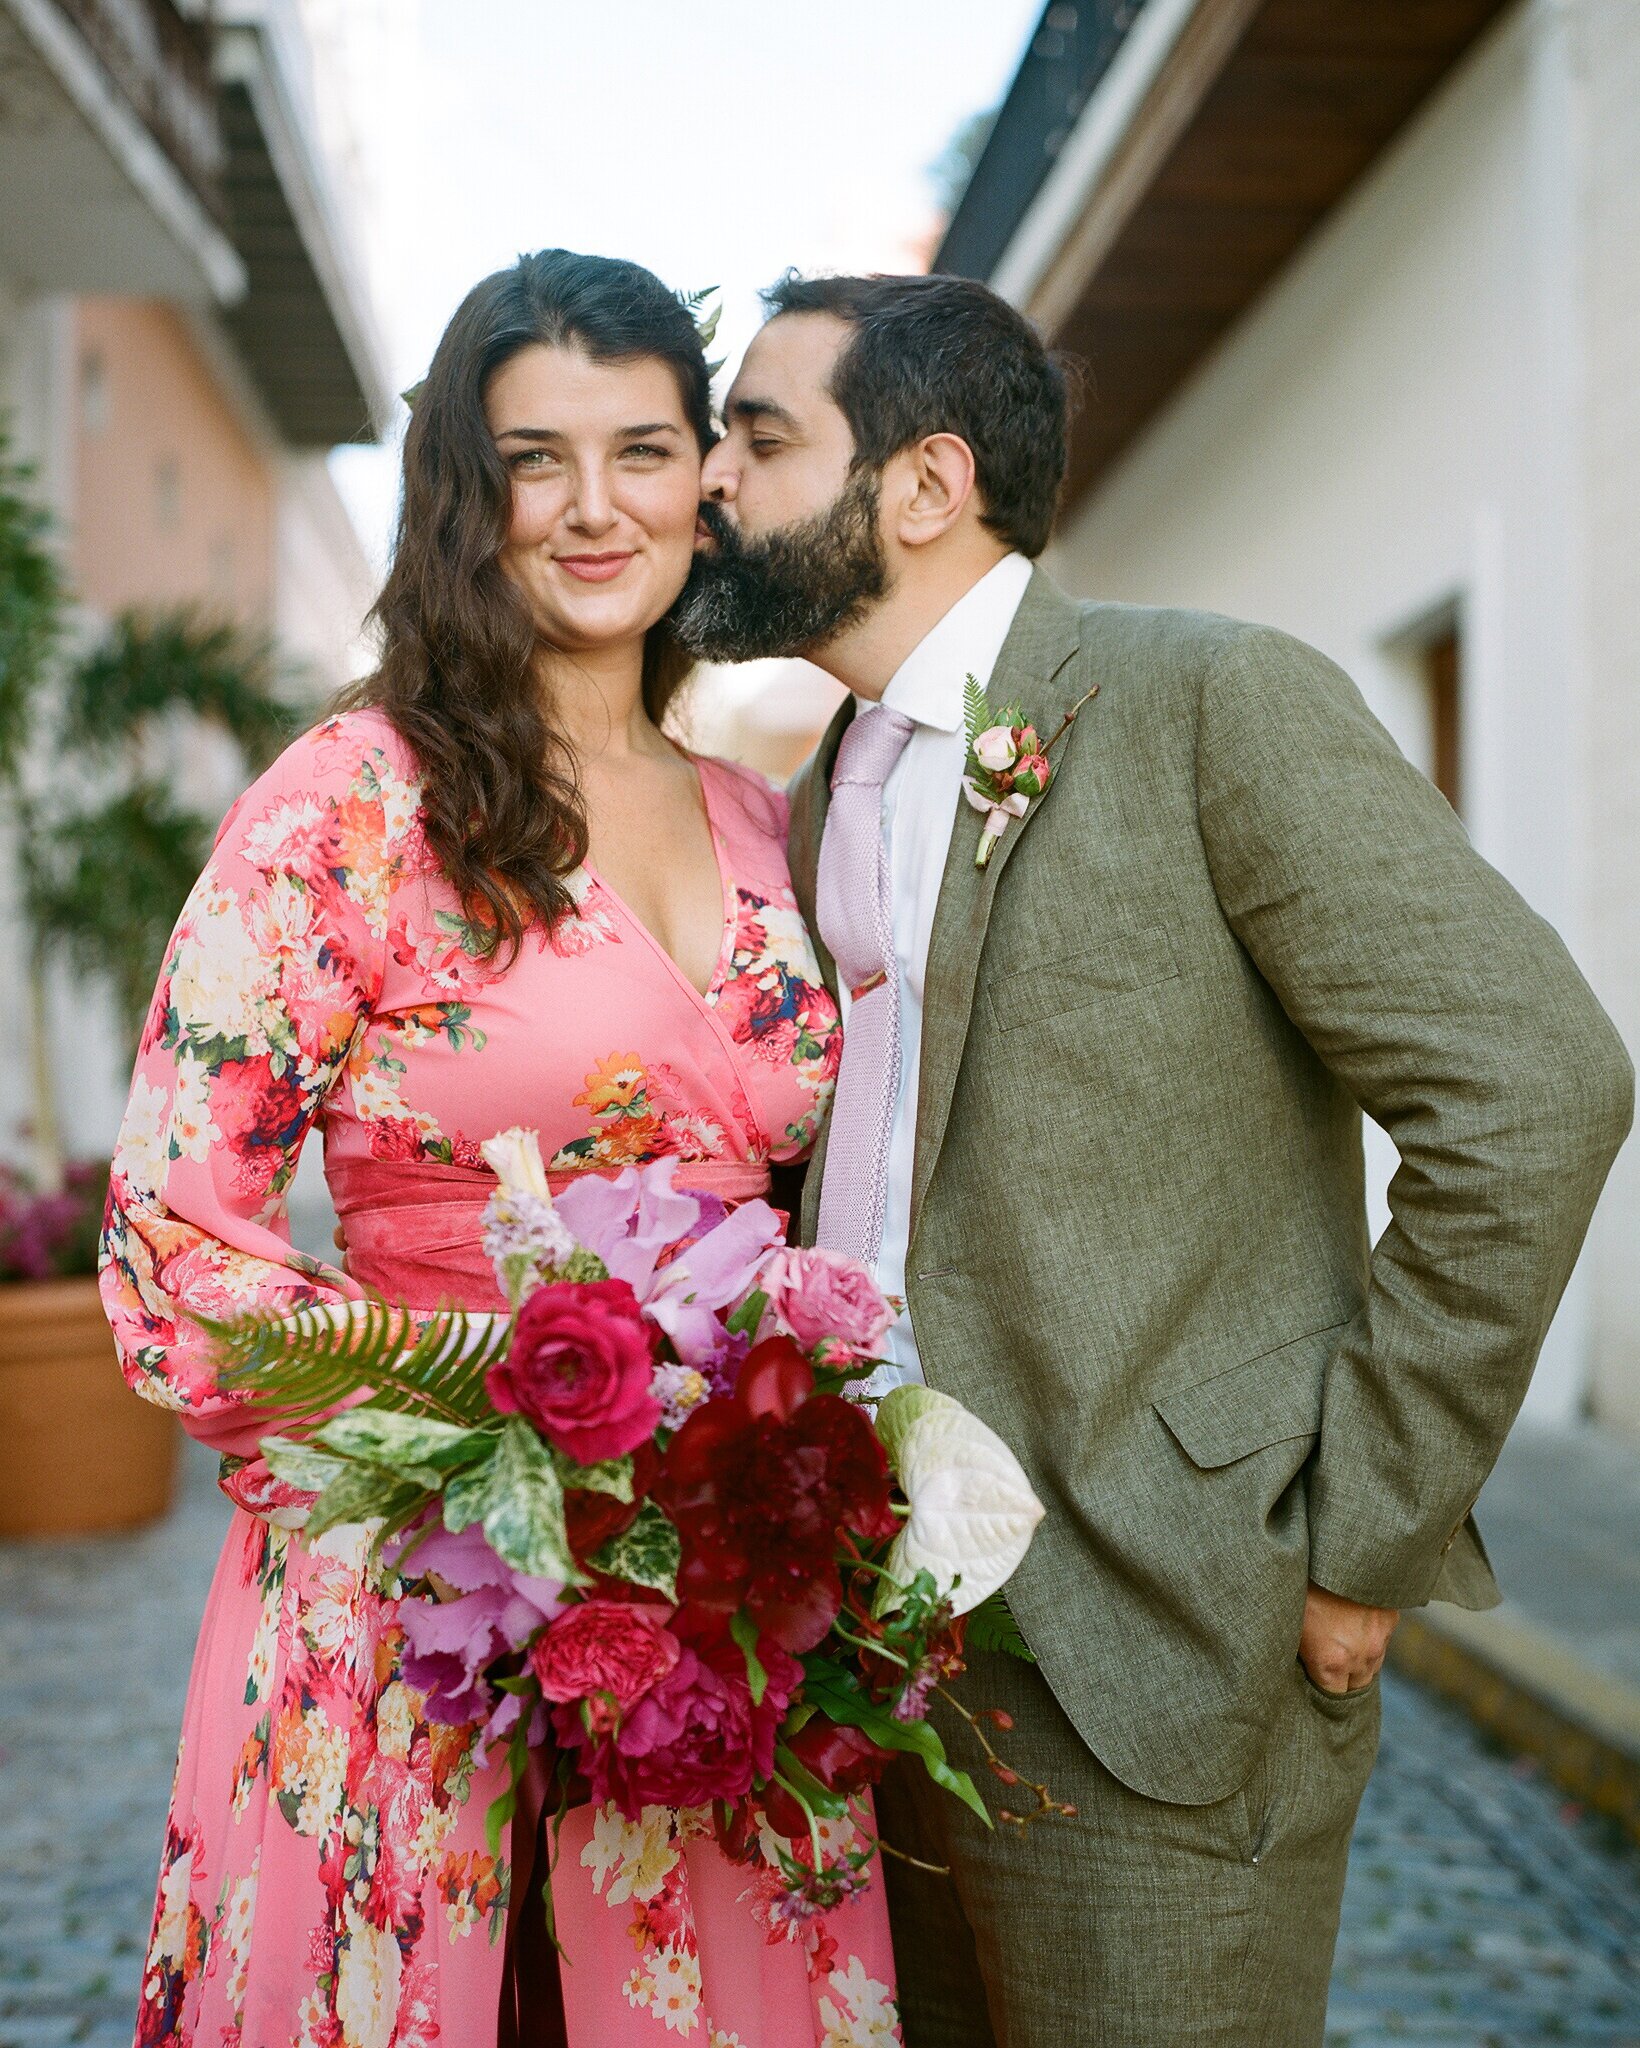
(502, 803)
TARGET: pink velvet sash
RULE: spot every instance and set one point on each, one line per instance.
(414, 1228)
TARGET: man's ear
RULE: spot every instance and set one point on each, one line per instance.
(936, 486)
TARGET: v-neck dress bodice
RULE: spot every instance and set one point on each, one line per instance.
(326, 1882)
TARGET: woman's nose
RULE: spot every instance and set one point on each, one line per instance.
(594, 508)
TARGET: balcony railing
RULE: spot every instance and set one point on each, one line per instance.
(161, 66)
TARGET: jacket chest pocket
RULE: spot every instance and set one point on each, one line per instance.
(1112, 965)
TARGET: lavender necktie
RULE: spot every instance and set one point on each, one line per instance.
(854, 908)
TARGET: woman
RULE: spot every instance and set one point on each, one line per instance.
(489, 893)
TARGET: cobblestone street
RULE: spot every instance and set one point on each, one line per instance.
(1481, 1913)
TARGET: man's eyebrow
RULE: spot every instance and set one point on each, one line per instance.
(621, 433)
(753, 409)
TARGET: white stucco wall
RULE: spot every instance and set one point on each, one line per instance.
(1606, 58)
(1392, 429)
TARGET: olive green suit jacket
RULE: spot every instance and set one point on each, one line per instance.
(1237, 918)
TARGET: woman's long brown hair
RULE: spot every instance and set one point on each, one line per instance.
(502, 804)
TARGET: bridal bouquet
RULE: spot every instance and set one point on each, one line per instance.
(636, 1521)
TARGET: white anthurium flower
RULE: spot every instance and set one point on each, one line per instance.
(972, 1509)
(994, 749)
(514, 1157)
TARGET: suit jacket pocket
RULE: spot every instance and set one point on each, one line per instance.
(1070, 981)
(1270, 1399)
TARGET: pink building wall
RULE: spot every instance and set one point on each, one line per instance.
(173, 501)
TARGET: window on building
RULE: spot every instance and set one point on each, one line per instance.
(94, 401)
(168, 493)
(1443, 686)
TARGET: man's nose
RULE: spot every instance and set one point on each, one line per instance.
(719, 477)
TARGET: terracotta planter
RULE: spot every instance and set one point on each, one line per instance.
(78, 1450)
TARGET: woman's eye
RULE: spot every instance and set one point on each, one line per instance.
(531, 459)
(648, 451)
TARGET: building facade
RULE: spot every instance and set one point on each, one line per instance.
(1358, 294)
(184, 334)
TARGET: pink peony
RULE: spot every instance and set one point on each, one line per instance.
(818, 1294)
(579, 1368)
(607, 1652)
(694, 1736)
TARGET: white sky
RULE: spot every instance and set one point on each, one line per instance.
(716, 143)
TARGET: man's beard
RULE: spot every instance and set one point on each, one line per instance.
(785, 592)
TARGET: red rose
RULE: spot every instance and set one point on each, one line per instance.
(842, 1759)
(579, 1367)
(609, 1652)
(762, 1485)
(694, 1736)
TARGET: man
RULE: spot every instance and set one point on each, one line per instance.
(1098, 1120)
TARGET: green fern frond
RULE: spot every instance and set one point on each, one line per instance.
(976, 709)
(306, 1363)
(991, 1626)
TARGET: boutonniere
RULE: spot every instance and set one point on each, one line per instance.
(1008, 767)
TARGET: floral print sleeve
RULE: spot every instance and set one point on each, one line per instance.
(269, 975)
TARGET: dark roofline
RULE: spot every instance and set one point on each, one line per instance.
(1067, 56)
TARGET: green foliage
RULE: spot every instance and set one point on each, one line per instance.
(744, 1630)
(517, 1496)
(418, 1447)
(991, 1626)
(976, 709)
(306, 1364)
(105, 886)
(154, 665)
(613, 1476)
(838, 1696)
(749, 1314)
(33, 607)
(801, 1782)
(647, 1554)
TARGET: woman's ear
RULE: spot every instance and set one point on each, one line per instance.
(937, 484)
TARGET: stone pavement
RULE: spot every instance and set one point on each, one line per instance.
(1481, 1912)
(1554, 1671)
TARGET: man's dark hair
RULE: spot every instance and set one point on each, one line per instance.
(944, 355)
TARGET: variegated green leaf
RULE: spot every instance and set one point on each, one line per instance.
(518, 1497)
(362, 1493)
(301, 1464)
(647, 1554)
(613, 1476)
(403, 1443)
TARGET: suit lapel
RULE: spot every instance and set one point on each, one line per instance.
(1034, 669)
(810, 801)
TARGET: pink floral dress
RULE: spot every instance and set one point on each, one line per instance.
(325, 1881)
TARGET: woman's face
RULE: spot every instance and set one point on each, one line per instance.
(605, 491)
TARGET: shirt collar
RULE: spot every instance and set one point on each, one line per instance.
(927, 685)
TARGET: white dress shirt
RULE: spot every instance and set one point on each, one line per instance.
(920, 801)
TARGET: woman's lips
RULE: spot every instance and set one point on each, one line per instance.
(594, 568)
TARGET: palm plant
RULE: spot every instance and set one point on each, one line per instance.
(105, 853)
(103, 880)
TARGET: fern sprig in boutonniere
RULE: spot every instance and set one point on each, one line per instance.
(1008, 765)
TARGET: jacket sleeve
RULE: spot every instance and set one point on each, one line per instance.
(1458, 1021)
(274, 965)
